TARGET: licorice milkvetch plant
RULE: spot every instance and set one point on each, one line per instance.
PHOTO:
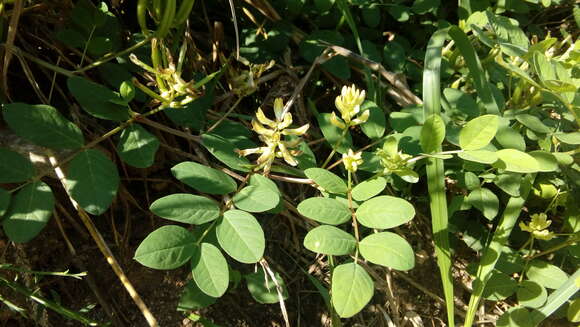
(367, 213)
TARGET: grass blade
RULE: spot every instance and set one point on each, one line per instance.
(475, 69)
(557, 299)
(494, 249)
(435, 174)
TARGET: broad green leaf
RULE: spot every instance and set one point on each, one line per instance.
(261, 181)
(385, 212)
(533, 123)
(424, 6)
(42, 125)
(509, 183)
(92, 180)
(14, 168)
(563, 159)
(204, 179)
(327, 180)
(546, 274)
(193, 298)
(516, 317)
(4, 201)
(352, 288)
(478, 132)
(224, 151)
(29, 211)
(531, 294)
(485, 201)
(573, 313)
(499, 286)
(569, 138)
(254, 198)
(210, 270)
(332, 134)
(263, 289)
(137, 147)
(432, 134)
(461, 102)
(369, 188)
(558, 298)
(546, 161)
(371, 15)
(186, 208)
(389, 250)
(329, 240)
(470, 180)
(167, 247)
(517, 161)
(374, 127)
(481, 156)
(97, 100)
(509, 138)
(325, 210)
(241, 236)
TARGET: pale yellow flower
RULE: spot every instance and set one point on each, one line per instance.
(352, 160)
(271, 133)
(538, 226)
(348, 104)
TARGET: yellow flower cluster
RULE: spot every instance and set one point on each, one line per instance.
(348, 104)
(352, 160)
(271, 133)
(538, 226)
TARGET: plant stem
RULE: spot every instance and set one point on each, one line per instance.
(336, 145)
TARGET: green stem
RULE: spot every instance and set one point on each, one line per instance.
(336, 145)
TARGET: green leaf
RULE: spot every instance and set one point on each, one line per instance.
(432, 134)
(42, 125)
(375, 126)
(573, 313)
(499, 286)
(546, 274)
(517, 161)
(546, 161)
(389, 250)
(332, 134)
(92, 180)
(204, 179)
(369, 188)
(29, 211)
(569, 138)
(327, 180)
(329, 240)
(137, 147)
(481, 156)
(14, 168)
(424, 6)
(352, 288)
(224, 151)
(193, 298)
(263, 289)
(167, 247)
(97, 100)
(558, 298)
(261, 181)
(461, 102)
(509, 183)
(186, 208)
(325, 210)
(516, 317)
(533, 123)
(485, 201)
(254, 198)
(478, 132)
(531, 294)
(385, 212)
(510, 139)
(210, 270)
(4, 202)
(241, 236)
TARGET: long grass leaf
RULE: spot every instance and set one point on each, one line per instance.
(475, 69)
(557, 299)
(493, 251)
(435, 174)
